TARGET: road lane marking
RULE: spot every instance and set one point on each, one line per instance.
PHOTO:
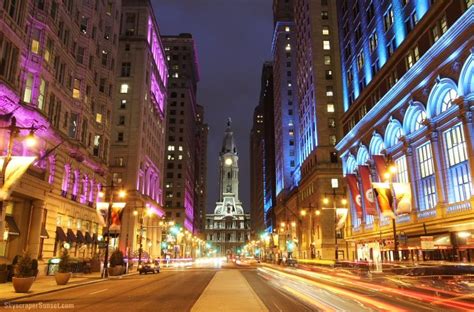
(99, 291)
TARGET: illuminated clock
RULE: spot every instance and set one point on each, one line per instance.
(228, 161)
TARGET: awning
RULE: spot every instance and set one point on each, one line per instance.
(112, 233)
(89, 239)
(80, 239)
(71, 237)
(60, 235)
(44, 233)
(12, 227)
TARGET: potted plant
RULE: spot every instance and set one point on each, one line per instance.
(116, 263)
(63, 274)
(24, 274)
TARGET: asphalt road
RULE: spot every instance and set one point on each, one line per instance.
(175, 291)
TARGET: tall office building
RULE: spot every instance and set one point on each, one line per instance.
(138, 126)
(181, 129)
(257, 167)
(269, 180)
(57, 74)
(407, 70)
(319, 95)
(201, 170)
(285, 104)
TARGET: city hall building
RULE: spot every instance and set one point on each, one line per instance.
(408, 91)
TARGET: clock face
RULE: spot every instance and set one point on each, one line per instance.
(228, 161)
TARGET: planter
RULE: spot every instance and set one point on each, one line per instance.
(62, 278)
(116, 270)
(23, 284)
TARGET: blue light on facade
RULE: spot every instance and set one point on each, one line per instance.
(422, 7)
(398, 23)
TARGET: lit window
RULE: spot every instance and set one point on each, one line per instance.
(402, 169)
(327, 60)
(448, 99)
(76, 90)
(388, 19)
(329, 91)
(420, 119)
(332, 140)
(180, 157)
(458, 167)
(325, 30)
(42, 91)
(180, 148)
(331, 108)
(326, 45)
(170, 147)
(124, 88)
(428, 196)
(288, 47)
(287, 29)
(98, 118)
(28, 88)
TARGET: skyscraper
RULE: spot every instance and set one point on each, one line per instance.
(180, 180)
(201, 171)
(407, 72)
(257, 172)
(138, 125)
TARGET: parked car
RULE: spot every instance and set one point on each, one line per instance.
(149, 267)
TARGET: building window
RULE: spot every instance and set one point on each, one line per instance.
(325, 30)
(326, 45)
(402, 169)
(360, 61)
(328, 74)
(458, 168)
(448, 99)
(41, 96)
(324, 15)
(120, 137)
(126, 68)
(427, 183)
(332, 140)
(327, 60)
(373, 41)
(329, 91)
(27, 94)
(332, 123)
(412, 57)
(76, 90)
(388, 19)
(121, 120)
(124, 88)
(123, 104)
(330, 108)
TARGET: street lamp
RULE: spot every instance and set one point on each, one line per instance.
(122, 194)
(149, 213)
(392, 170)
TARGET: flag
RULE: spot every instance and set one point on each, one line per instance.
(341, 216)
(116, 216)
(384, 196)
(351, 180)
(380, 166)
(403, 197)
(15, 169)
(369, 198)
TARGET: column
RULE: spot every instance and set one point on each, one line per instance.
(34, 239)
(439, 166)
(411, 166)
(468, 128)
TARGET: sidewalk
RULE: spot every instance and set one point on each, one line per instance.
(229, 291)
(46, 284)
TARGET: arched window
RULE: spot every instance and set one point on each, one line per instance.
(460, 187)
(419, 121)
(362, 155)
(414, 117)
(351, 164)
(376, 144)
(393, 133)
(466, 78)
(448, 99)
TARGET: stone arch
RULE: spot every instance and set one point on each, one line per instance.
(393, 132)
(442, 88)
(413, 117)
(362, 155)
(351, 164)
(377, 144)
(466, 78)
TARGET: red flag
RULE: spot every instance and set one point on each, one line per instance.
(367, 191)
(380, 166)
(355, 193)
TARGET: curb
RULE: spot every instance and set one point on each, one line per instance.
(2, 302)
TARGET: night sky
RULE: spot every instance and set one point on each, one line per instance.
(233, 39)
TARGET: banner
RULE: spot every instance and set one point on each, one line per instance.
(341, 216)
(116, 214)
(383, 192)
(402, 197)
(351, 180)
(380, 166)
(369, 198)
(14, 171)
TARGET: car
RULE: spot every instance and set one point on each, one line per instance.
(149, 267)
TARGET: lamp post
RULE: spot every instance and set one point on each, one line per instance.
(388, 177)
(334, 186)
(122, 194)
